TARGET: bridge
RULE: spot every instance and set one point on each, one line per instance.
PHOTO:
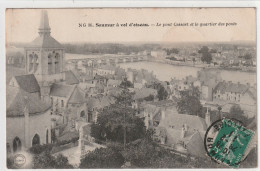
(97, 60)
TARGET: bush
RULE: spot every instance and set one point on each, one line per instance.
(46, 161)
(63, 142)
(38, 149)
(102, 158)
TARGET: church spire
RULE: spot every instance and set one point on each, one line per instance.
(44, 28)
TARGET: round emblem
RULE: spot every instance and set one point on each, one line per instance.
(19, 160)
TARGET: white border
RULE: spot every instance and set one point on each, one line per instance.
(92, 3)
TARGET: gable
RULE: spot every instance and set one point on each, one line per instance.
(26, 82)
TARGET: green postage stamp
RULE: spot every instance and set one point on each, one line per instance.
(230, 143)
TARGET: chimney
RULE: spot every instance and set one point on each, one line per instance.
(163, 114)
(183, 131)
(207, 117)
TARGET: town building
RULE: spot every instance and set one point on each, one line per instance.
(28, 118)
(44, 95)
(237, 93)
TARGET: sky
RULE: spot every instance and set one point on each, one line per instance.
(22, 24)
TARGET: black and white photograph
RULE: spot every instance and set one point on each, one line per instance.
(131, 88)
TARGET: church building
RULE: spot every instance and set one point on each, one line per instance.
(33, 99)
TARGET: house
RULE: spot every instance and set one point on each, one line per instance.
(28, 120)
(158, 53)
(242, 94)
(181, 132)
(27, 83)
(95, 104)
(69, 103)
(234, 92)
(113, 83)
(105, 70)
(152, 111)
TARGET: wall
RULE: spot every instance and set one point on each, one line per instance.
(38, 124)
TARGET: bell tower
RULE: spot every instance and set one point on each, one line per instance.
(44, 55)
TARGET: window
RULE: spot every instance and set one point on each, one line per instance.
(17, 145)
(62, 103)
(47, 136)
(36, 140)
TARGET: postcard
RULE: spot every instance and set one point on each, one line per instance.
(130, 88)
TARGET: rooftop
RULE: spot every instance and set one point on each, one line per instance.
(28, 83)
(17, 100)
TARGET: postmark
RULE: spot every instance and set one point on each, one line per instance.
(226, 141)
(19, 160)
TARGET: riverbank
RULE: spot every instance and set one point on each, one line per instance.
(191, 64)
(165, 72)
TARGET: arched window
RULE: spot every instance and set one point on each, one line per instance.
(17, 145)
(47, 136)
(49, 64)
(57, 65)
(36, 140)
(90, 117)
(82, 114)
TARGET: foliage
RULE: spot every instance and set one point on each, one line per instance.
(102, 158)
(172, 58)
(146, 154)
(110, 125)
(127, 84)
(237, 113)
(63, 142)
(248, 56)
(47, 161)
(10, 163)
(38, 149)
(206, 55)
(149, 98)
(189, 102)
(161, 91)
(116, 118)
(170, 51)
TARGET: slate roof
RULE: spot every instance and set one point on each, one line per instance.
(101, 102)
(99, 77)
(70, 78)
(28, 83)
(17, 100)
(111, 82)
(44, 42)
(61, 90)
(144, 92)
(231, 87)
(107, 67)
(77, 96)
(178, 120)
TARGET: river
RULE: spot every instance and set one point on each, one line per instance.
(165, 72)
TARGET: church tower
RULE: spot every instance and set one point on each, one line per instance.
(44, 55)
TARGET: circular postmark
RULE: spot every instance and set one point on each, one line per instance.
(226, 141)
(19, 160)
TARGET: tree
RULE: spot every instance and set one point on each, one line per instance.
(189, 102)
(119, 122)
(46, 161)
(102, 158)
(162, 93)
(237, 113)
(206, 55)
(126, 83)
(248, 56)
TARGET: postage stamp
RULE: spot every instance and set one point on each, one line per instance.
(230, 142)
